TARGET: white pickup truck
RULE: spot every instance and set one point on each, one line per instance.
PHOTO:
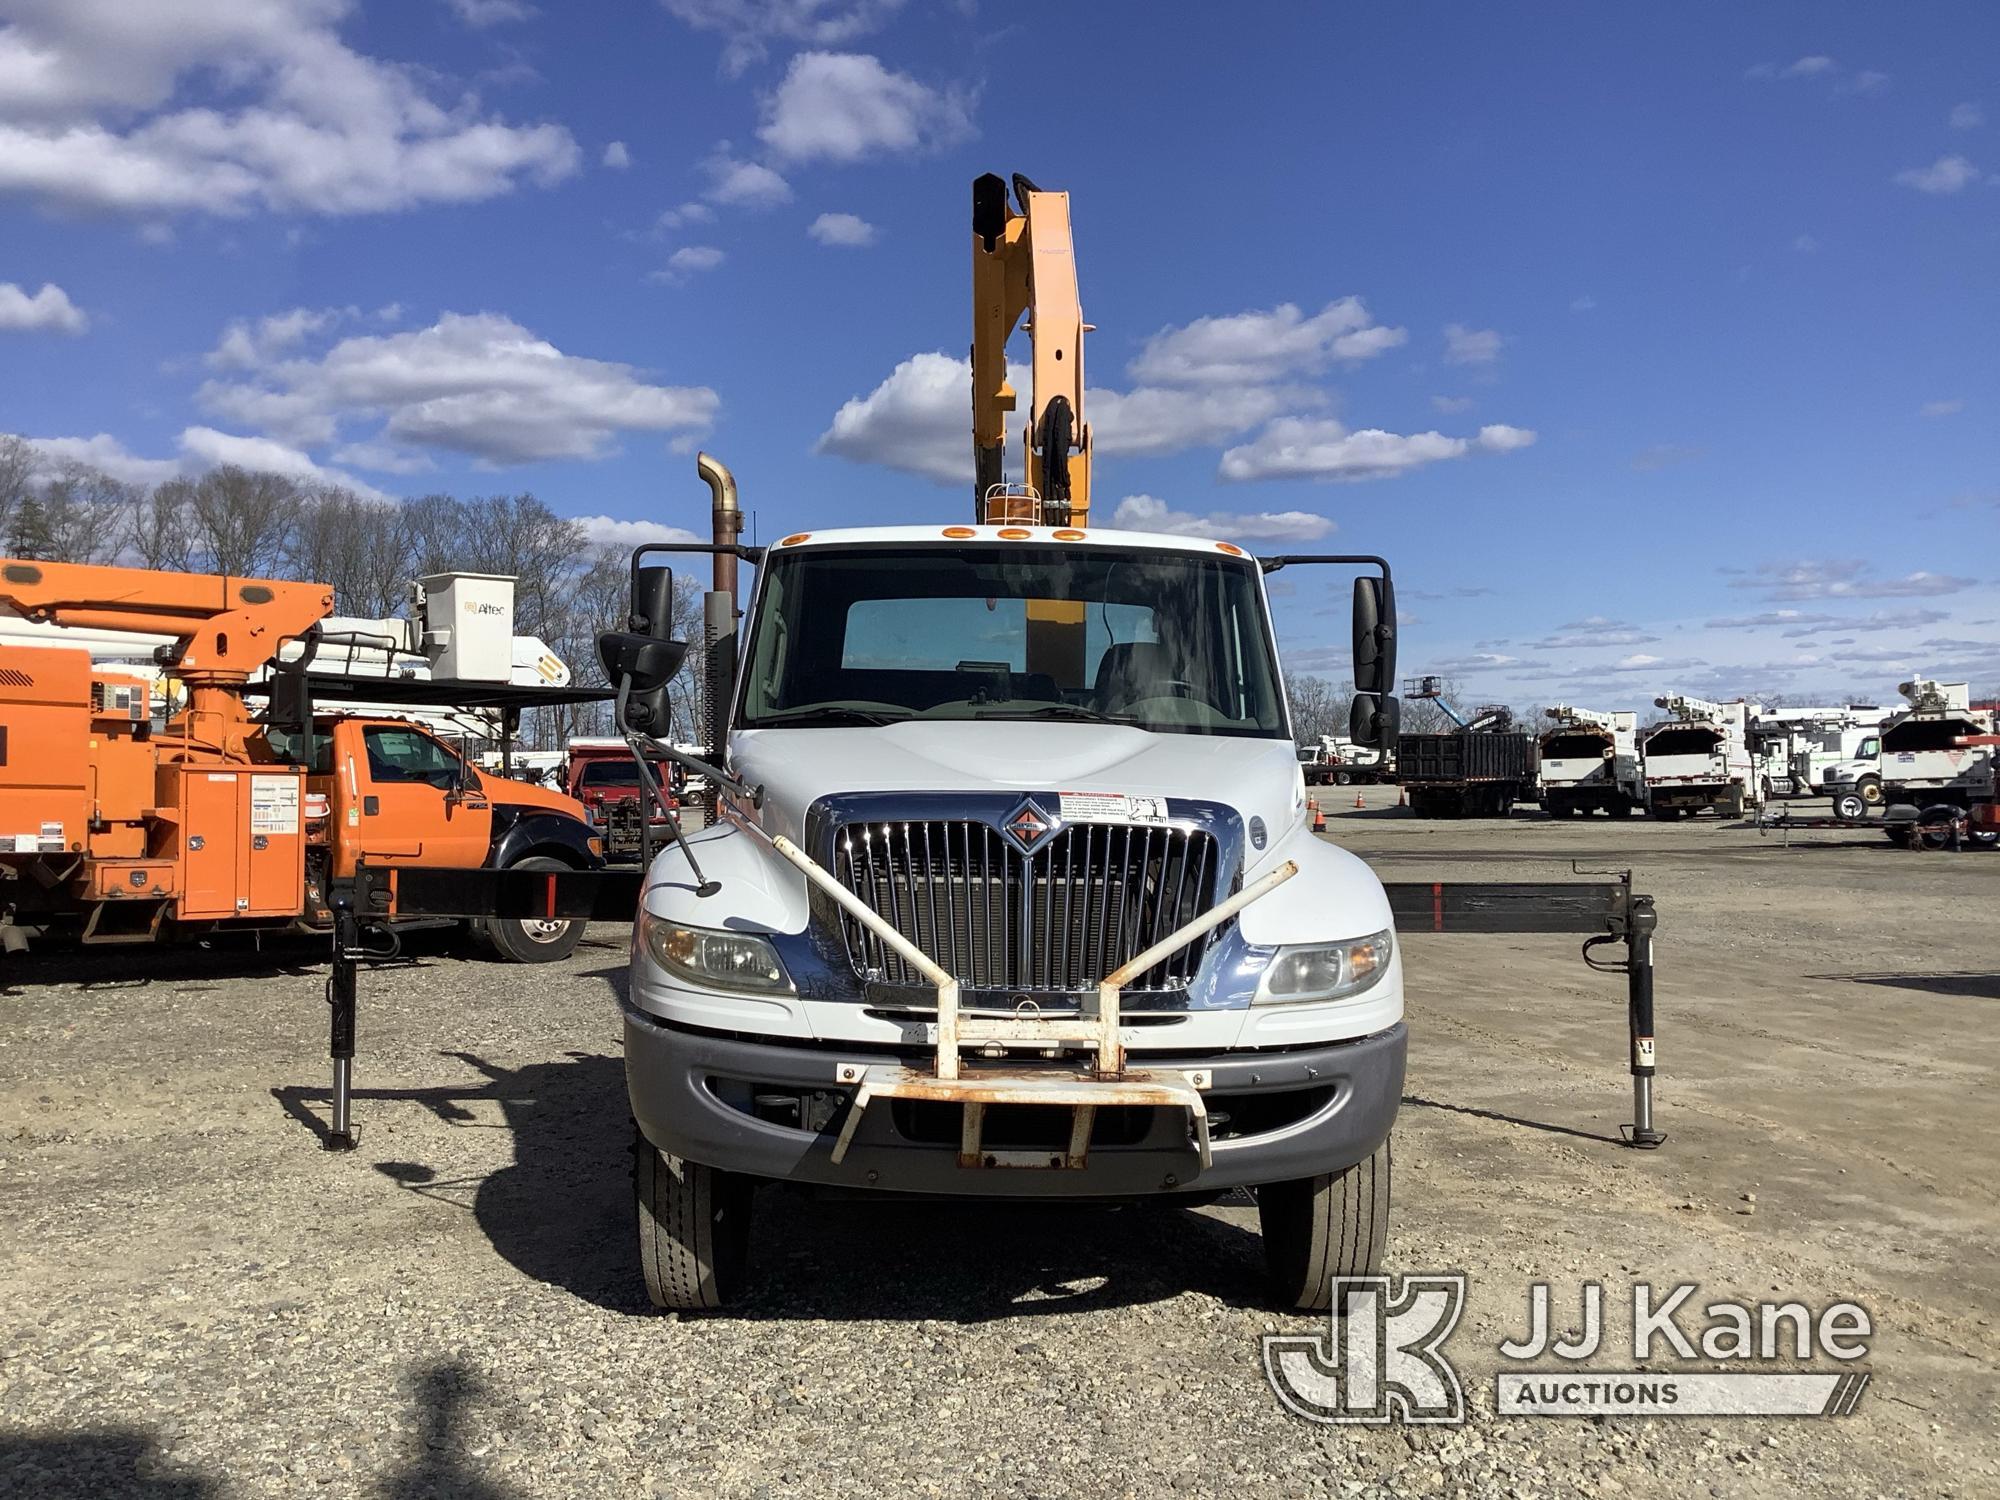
(1012, 894)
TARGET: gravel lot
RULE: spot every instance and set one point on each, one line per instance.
(196, 1301)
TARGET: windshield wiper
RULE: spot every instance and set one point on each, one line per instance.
(1058, 711)
(835, 712)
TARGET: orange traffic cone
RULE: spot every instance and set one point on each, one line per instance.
(1357, 800)
(1319, 817)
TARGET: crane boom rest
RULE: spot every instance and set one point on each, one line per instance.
(1023, 263)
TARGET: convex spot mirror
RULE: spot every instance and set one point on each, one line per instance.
(652, 601)
(1373, 722)
(642, 667)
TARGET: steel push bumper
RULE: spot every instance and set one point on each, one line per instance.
(1101, 1082)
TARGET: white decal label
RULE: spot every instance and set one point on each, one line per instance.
(1110, 807)
(27, 843)
(274, 804)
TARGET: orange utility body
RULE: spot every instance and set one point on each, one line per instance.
(126, 818)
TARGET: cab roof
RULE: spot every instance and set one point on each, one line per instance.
(951, 534)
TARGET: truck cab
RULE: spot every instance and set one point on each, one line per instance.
(391, 792)
(601, 775)
(1020, 759)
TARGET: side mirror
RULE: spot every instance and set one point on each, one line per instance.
(1374, 721)
(641, 667)
(291, 706)
(1376, 714)
(652, 601)
(1374, 637)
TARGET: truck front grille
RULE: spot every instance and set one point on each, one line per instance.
(1057, 920)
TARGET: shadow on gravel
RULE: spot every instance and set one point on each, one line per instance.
(1494, 1114)
(562, 1213)
(124, 1461)
(1973, 986)
(434, 1471)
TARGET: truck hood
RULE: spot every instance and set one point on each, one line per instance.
(1259, 778)
(504, 790)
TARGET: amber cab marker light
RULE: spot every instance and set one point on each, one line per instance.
(957, 533)
(795, 538)
(1230, 547)
(1069, 534)
(1014, 533)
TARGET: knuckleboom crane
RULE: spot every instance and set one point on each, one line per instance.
(1594, 718)
(1024, 264)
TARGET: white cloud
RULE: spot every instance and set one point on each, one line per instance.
(1967, 117)
(100, 110)
(1470, 346)
(608, 531)
(919, 419)
(206, 448)
(47, 311)
(617, 156)
(1263, 346)
(690, 260)
(743, 184)
(105, 452)
(680, 217)
(1947, 174)
(750, 26)
(1865, 82)
(478, 384)
(1325, 449)
(1157, 419)
(1810, 67)
(1146, 513)
(1949, 408)
(846, 230)
(843, 107)
(1843, 579)
(245, 345)
(484, 13)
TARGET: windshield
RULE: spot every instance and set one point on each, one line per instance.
(1169, 641)
(621, 772)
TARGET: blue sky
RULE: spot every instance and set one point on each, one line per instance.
(1656, 348)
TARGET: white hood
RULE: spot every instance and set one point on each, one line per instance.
(796, 767)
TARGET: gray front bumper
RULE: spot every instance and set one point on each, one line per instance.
(673, 1075)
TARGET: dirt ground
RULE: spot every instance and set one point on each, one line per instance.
(196, 1301)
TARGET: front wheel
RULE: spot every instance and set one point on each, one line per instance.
(524, 941)
(694, 1229)
(1319, 1229)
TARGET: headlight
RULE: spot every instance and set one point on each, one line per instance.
(1325, 971)
(703, 956)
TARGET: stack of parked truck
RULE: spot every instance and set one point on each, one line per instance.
(1935, 755)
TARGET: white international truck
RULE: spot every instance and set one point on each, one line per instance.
(1923, 764)
(1824, 752)
(1012, 893)
(1590, 760)
(1700, 757)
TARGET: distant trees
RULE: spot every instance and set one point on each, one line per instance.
(1319, 707)
(254, 524)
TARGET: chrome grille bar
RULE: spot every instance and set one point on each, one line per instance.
(1091, 899)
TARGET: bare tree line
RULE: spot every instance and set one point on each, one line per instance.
(253, 524)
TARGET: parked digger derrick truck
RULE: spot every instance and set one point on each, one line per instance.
(129, 825)
(1011, 890)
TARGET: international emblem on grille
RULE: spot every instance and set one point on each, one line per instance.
(1028, 827)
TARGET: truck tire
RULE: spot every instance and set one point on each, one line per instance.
(1850, 805)
(1319, 1229)
(694, 1229)
(1730, 808)
(1342, 778)
(1870, 788)
(524, 942)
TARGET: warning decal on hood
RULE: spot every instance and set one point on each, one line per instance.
(1111, 807)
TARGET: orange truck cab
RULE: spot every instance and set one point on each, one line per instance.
(391, 793)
